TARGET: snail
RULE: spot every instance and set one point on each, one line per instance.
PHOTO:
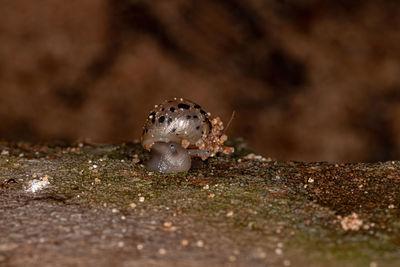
(177, 130)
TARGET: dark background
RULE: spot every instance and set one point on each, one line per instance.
(309, 80)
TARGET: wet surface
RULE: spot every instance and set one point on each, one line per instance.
(86, 205)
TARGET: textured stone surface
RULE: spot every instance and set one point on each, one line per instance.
(100, 207)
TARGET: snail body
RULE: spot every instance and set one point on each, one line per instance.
(168, 157)
(178, 129)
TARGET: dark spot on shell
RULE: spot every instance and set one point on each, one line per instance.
(173, 130)
(169, 121)
(162, 109)
(208, 122)
(183, 106)
(197, 127)
(197, 106)
(188, 117)
(172, 109)
(203, 112)
(195, 117)
(161, 119)
(153, 116)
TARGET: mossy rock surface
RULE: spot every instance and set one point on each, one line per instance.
(84, 205)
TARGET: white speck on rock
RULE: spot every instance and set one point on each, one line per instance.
(351, 222)
(200, 243)
(278, 251)
(37, 184)
(255, 157)
(286, 263)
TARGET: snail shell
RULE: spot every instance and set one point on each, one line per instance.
(175, 125)
(174, 121)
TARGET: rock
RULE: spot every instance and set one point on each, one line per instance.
(253, 218)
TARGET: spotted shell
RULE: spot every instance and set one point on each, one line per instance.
(174, 121)
(184, 122)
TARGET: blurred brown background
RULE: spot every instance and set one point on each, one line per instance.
(309, 80)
